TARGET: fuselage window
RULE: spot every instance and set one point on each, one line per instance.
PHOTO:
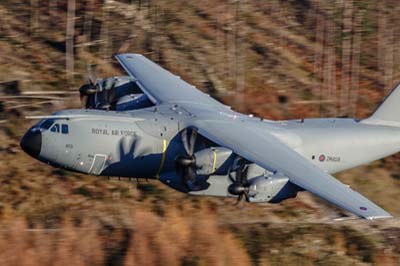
(64, 129)
(55, 128)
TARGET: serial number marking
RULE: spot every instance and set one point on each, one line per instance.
(334, 159)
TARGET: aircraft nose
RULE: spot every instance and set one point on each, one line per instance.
(31, 143)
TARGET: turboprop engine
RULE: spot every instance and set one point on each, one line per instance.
(255, 184)
(113, 93)
(194, 167)
(271, 189)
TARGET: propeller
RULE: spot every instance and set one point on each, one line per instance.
(107, 92)
(186, 164)
(240, 185)
(104, 90)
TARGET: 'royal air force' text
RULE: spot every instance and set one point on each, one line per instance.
(112, 132)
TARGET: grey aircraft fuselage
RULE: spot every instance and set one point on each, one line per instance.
(104, 142)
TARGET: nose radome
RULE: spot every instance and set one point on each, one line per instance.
(31, 143)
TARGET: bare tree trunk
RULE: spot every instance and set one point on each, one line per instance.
(157, 33)
(34, 17)
(346, 53)
(319, 54)
(231, 45)
(87, 24)
(388, 58)
(149, 34)
(69, 40)
(239, 35)
(276, 14)
(382, 21)
(226, 41)
(396, 44)
(137, 20)
(219, 43)
(104, 32)
(355, 64)
(330, 74)
(53, 10)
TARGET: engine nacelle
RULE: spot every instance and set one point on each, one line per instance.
(132, 102)
(271, 189)
(115, 93)
(214, 161)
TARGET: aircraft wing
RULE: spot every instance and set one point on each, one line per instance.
(267, 151)
(160, 85)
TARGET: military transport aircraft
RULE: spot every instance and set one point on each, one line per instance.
(152, 124)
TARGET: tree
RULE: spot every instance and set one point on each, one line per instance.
(70, 35)
(355, 63)
(346, 56)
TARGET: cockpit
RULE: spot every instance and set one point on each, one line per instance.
(49, 124)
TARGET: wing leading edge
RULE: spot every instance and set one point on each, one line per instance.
(265, 150)
(160, 85)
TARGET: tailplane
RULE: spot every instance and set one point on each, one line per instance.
(388, 113)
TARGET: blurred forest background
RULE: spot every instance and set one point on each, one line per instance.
(275, 59)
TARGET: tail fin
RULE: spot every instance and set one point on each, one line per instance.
(388, 113)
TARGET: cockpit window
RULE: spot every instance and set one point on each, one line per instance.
(47, 124)
(58, 128)
(64, 129)
(55, 128)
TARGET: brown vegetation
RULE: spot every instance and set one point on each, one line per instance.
(171, 239)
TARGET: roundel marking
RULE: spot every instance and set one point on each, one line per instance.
(322, 158)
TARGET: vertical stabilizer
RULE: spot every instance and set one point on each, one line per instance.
(388, 113)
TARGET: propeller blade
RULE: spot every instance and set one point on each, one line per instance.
(246, 195)
(109, 83)
(190, 178)
(185, 141)
(92, 75)
(239, 199)
(192, 141)
(231, 178)
(190, 173)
